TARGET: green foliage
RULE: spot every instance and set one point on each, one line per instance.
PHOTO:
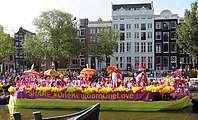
(103, 43)
(6, 45)
(188, 33)
(35, 49)
(55, 39)
(193, 73)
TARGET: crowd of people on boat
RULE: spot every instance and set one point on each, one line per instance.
(99, 80)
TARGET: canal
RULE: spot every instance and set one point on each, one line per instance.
(184, 114)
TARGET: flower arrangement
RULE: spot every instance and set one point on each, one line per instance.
(138, 89)
(11, 89)
(105, 90)
(1, 85)
(168, 89)
(161, 89)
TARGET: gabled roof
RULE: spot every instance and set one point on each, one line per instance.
(24, 31)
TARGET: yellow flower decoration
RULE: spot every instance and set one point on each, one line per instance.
(11, 89)
(1, 85)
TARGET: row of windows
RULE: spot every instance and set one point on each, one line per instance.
(131, 18)
(164, 61)
(166, 25)
(165, 49)
(142, 26)
(144, 35)
(165, 35)
(139, 47)
(138, 60)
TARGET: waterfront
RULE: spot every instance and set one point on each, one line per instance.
(184, 114)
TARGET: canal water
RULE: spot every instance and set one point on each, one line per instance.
(184, 114)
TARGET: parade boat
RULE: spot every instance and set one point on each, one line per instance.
(109, 98)
(117, 97)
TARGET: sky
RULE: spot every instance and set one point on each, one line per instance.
(21, 13)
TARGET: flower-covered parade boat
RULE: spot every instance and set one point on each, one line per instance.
(137, 98)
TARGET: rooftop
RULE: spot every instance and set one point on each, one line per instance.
(132, 6)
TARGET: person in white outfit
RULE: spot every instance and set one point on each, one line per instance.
(115, 79)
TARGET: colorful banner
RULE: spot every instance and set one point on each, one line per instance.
(146, 96)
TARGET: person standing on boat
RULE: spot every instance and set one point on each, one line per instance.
(115, 79)
(139, 79)
(176, 85)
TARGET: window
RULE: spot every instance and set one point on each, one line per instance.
(158, 62)
(115, 26)
(128, 59)
(128, 47)
(11, 58)
(149, 46)
(122, 37)
(173, 24)
(122, 27)
(137, 49)
(92, 31)
(74, 61)
(16, 43)
(137, 61)
(21, 37)
(143, 46)
(149, 25)
(128, 35)
(165, 46)
(116, 58)
(158, 48)
(166, 36)
(143, 26)
(136, 26)
(173, 47)
(150, 62)
(143, 60)
(149, 34)
(181, 59)
(158, 25)
(82, 62)
(82, 22)
(158, 35)
(173, 59)
(121, 18)
(115, 18)
(173, 35)
(165, 62)
(122, 47)
(165, 25)
(82, 32)
(128, 26)
(121, 62)
(143, 35)
(98, 30)
(137, 35)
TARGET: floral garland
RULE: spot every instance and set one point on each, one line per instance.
(105, 90)
(1, 85)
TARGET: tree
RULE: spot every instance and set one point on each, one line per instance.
(6, 45)
(34, 48)
(56, 34)
(104, 43)
(188, 33)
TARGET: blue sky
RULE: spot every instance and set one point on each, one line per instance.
(20, 13)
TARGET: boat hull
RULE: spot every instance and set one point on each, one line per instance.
(104, 104)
